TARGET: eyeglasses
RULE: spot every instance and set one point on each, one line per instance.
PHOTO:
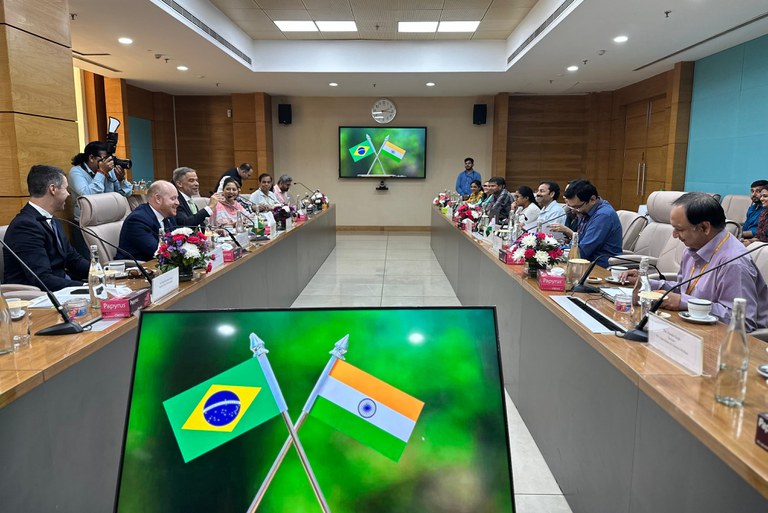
(576, 208)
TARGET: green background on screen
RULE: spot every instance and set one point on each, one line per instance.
(412, 140)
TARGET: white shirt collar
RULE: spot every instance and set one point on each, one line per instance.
(158, 215)
(42, 211)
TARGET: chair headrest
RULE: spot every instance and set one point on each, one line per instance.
(98, 209)
(660, 205)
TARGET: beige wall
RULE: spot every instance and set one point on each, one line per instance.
(308, 151)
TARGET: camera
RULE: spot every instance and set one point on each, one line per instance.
(111, 141)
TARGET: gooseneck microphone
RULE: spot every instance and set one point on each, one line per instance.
(630, 261)
(141, 268)
(638, 334)
(311, 191)
(68, 327)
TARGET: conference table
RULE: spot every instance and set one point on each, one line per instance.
(63, 400)
(621, 427)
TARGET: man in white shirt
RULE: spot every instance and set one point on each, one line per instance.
(551, 211)
(281, 189)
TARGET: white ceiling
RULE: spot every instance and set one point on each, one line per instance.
(383, 63)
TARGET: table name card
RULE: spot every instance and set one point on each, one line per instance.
(165, 284)
(679, 345)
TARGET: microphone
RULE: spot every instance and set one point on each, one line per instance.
(232, 236)
(580, 287)
(141, 268)
(307, 188)
(630, 261)
(637, 334)
(68, 327)
(547, 222)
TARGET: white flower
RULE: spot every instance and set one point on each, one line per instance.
(191, 250)
(518, 254)
(182, 231)
(528, 241)
(475, 214)
(550, 241)
(542, 257)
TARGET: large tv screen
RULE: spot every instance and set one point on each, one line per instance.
(382, 152)
(439, 368)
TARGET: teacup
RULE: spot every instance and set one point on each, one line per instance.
(617, 271)
(118, 267)
(699, 308)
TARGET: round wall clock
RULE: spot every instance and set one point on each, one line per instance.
(383, 111)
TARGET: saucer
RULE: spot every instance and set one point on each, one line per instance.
(763, 370)
(594, 279)
(616, 282)
(709, 319)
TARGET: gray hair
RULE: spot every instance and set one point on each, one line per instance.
(180, 172)
(284, 178)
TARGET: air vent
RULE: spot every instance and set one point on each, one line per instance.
(208, 30)
(707, 40)
(536, 33)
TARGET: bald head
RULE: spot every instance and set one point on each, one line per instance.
(163, 197)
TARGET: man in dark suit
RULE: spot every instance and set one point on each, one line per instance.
(139, 235)
(188, 214)
(239, 173)
(39, 240)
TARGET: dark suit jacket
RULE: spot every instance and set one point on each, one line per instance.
(139, 234)
(185, 217)
(35, 243)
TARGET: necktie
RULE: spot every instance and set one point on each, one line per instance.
(167, 225)
(192, 206)
(56, 233)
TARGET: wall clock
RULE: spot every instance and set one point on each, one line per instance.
(383, 111)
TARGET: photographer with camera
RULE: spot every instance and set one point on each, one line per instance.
(94, 172)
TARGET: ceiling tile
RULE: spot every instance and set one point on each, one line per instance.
(507, 13)
(454, 35)
(288, 15)
(491, 34)
(280, 4)
(487, 24)
(467, 4)
(462, 15)
(234, 4)
(336, 5)
(331, 14)
(264, 34)
(394, 5)
(258, 26)
(254, 14)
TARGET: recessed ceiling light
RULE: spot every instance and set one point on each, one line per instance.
(458, 26)
(430, 84)
(572, 68)
(416, 26)
(336, 26)
(125, 41)
(620, 39)
(182, 68)
(296, 26)
(333, 84)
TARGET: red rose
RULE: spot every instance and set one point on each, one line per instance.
(166, 254)
(193, 240)
(540, 236)
(162, 248)
(529, 253)
(213, 256)
(208, 267)
(179, 237)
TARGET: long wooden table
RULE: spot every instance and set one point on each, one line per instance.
(621, 428)
(63, 400)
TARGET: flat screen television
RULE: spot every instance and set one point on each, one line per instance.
(456, 458)
(382, 152)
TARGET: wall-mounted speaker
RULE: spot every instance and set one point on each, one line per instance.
(479, 113)
(284, 114)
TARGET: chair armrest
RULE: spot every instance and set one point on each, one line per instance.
(761, 333)
(8, 287)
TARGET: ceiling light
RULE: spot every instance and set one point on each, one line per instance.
(125, 41)
(296, 26)
(572, 68)
(336, 26)
(333, 84)
(620, 39)
(416, 26)
(458, 26)
(182, 68)
(430, 84)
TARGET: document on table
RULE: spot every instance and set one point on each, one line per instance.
(62, 295)
(610, 292)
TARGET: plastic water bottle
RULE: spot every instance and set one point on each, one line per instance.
(733, 360)
(97, 286)
(644, 285)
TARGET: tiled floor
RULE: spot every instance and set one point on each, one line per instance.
(399, 269)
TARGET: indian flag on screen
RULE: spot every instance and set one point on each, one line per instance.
(369, 410)
(392, 151)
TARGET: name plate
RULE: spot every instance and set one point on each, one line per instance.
(679, 345)
(218, 258)
(165, 284)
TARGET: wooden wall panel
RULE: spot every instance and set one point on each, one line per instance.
(204, 137)
(23, 57)
(139, 102)
(9, 207)
(95, 106)
(46, 18)
(163, 136)
(500, 134)
(116, 98)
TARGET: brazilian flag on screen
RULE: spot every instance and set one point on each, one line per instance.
(360, 151)
(220, 409)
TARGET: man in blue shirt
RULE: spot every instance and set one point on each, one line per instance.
(749, 227)
(466, 177)
(599, 227)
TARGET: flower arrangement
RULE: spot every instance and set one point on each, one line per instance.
(538, 250)
(443, 199)
(468, 211)
(183, 248)
(283, 212)
(319, 200)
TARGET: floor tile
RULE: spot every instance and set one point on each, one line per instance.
(347, 266)
(316, 301)
(377, 245)
(541, 504)
(410, 254)
(344, 289)
(354, 235)
(402, 301)
(373, 255)
(413, 268)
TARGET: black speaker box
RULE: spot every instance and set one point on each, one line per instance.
(285, 116)
(479, 113)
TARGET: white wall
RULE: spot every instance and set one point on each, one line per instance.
(308, 151)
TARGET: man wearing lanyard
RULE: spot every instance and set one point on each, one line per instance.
(698, 221)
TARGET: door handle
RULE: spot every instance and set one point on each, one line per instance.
(637, 185)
